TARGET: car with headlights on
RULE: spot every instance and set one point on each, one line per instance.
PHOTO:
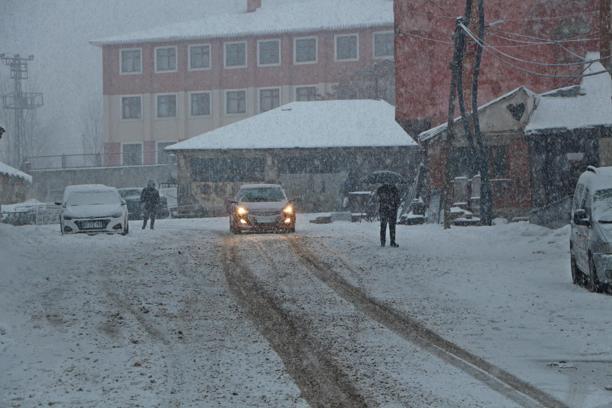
(93, 208)
(261, 207)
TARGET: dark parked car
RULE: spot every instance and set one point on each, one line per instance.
(132, 196)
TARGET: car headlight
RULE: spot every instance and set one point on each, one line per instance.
(288, 209)
(242, 211)
(67, 218)
(117, 214)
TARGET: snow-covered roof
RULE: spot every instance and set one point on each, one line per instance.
(13, 172)
(590, 107)
(317, 124)
(433, 132)
(302, 16)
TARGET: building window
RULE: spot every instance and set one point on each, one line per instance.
(305, 50)
(163, 156)
(269, 99)
(132, 154)
(131, 107)
(347, 47)
(200, 104)
(383, 45)
(235, 55)
(131, 61)
(306, 93)
(268, 52)
(199, 57)
(166, 106)
(235, 102)
(165, 59)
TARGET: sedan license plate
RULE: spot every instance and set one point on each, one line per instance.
(266, 220)
(93, 225)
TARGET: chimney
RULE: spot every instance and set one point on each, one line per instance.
(253, 5)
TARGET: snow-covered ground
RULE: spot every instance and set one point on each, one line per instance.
(151, 320)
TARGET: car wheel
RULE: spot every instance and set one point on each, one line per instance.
(576, 278)
(592, 283)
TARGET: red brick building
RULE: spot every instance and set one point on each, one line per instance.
(525, 30)
(606, 31)
(171, 83)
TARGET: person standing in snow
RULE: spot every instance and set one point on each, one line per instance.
(388, 201)
(149, 200)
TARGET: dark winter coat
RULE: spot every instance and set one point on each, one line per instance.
(149, 198)
(388, 199)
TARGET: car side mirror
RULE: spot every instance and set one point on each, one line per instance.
(581, 218)
(123, 202)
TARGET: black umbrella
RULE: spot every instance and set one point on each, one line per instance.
(384, 177)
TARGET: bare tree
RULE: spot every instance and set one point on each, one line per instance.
(376, 81)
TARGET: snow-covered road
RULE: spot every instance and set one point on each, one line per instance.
(188, 315)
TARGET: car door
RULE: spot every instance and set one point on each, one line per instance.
(582, 236)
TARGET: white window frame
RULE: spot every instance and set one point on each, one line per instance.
(121, 61)
(121, 108)
(210, 103)
(336, 47)
(374, 45)
(157, 143)
(280, 51)
(142, 154)
(246, 54)
(296, 87)
(176, 112)
(157, 71)
(270, 88)
(316, 60)
(209, 57)
(246, 102)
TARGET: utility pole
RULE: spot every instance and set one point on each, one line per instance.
(450, 131)
(19, 102)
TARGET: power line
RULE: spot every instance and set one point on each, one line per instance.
(544, 64)
(539, 40)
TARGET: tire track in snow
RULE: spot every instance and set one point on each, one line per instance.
(414, 331)
(322, 382)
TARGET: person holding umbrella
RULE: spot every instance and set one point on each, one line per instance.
(388, 201)
(388, 204)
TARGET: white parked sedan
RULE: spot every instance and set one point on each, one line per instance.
(93, 208)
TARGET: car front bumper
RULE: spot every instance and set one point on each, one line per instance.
(264, 223)
(93, 225)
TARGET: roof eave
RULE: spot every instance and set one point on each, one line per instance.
(102, 42)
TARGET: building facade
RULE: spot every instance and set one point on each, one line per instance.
(606, 32)
(526, 35)
(15, 185)
(173, 83)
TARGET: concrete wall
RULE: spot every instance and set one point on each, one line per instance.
(48, 185)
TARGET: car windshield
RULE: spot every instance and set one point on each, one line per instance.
(602, 206)
(93, 198)
(261, 195)
(129, 192)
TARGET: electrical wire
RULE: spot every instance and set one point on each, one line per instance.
(536, 40)
(424, 38)
(543, 64)
(582, 13)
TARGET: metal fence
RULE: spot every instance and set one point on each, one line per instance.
(30, 213)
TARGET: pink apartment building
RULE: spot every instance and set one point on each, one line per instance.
(171, 83)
